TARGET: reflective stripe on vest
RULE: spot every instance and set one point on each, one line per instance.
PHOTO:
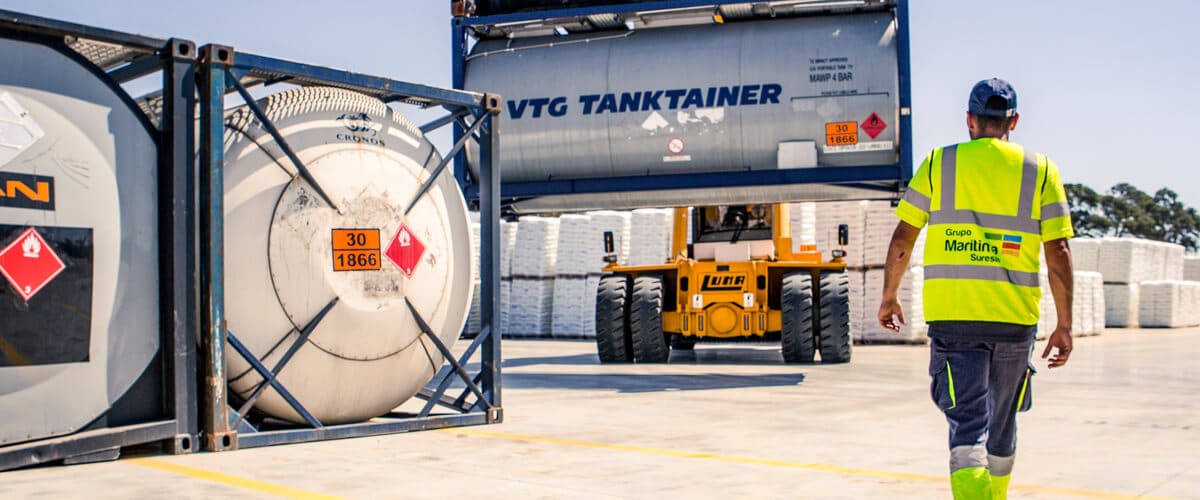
(917, 199)
(986, 273)
(1022, 222)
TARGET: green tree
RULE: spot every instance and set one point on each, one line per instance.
(1087, 211)
(1126, 210)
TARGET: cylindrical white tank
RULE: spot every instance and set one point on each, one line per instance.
(288, 254)
(78, 243)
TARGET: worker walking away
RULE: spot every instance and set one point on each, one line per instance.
(991, 207)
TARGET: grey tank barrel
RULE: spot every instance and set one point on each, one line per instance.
(761, 95)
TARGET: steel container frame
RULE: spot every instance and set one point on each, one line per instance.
(128, 57)
(888, 180)
(223, 71)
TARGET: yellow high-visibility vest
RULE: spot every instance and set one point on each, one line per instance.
(989, 205)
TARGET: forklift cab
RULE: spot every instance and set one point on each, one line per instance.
(733, 233)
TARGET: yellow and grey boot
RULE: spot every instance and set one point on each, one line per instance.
(969, 478)
(1000, 469)
(971, 483)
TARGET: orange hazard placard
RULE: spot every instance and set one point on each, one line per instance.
(841, 134)
(356, 250)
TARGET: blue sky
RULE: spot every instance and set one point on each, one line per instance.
(1106, 88)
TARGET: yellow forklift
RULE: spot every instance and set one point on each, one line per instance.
(738, 279)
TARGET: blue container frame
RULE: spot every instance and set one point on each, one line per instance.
(890, 180)
(174, 138)
(221, 71)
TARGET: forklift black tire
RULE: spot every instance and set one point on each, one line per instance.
(796, 307)
(612, 320)
(645, 321)
(681, 343)
(836, 345)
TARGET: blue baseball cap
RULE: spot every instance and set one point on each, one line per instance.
(987, 89)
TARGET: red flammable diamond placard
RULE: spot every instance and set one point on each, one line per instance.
(873, 125)
(405, 250)
(29, 263)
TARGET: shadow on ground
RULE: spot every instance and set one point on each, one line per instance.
(644, 382)
(705, 355)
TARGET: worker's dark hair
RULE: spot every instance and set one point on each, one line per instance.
(994, 125)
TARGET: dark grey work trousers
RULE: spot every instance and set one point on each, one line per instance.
(980, 385)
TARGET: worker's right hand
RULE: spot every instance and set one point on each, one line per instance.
(890, 312)
(1060, 341)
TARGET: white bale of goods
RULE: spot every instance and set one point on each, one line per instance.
(536, 249)
(1099, 308)
(1048, 319)
(475, 317)
(911, 298)
(1191, 268)
(804, 224)
(1084, 303)
(533, 267)
(1121, 303)
(1172, 262)
(508, 245)
(1169, 304)
(619, 224)
(570, 314)
(1085, 254)
(833, 213)
(531, 311)
(1124, 260)
(650, 236)
(574, 250)
(879, 222)
(505, 306)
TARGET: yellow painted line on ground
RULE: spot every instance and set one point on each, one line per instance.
(905, 476)
(230, 480)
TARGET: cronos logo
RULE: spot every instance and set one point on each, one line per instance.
(362, 129)
(359, 122)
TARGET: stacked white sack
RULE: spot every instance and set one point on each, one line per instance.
(1191, 268)
(1085, 303)
(1048, 320)
(804, 224)
(533, 268)
(879, 220)
(833, 213)
(911, 299)
(576, 250)
(1121, 303)
(1172, 262)
(1099, 307)
(1124, 260)
(1169, 304)
(1085, 254)
(1081, 313)
(1130, 260)
(474, 319)
(508, 245)
(650, 236)
(571, 313)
